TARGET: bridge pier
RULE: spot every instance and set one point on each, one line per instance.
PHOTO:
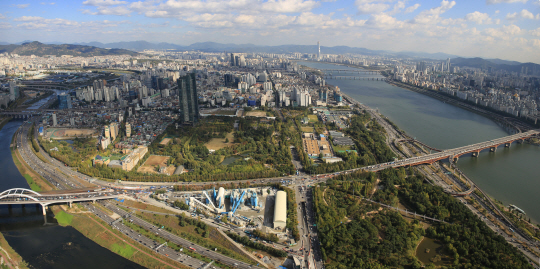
(70, 204)
(475, 154)
(493, 149)
(507, 145)
(44, 209)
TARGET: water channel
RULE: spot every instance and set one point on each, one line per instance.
(45, 246)
(509, 175)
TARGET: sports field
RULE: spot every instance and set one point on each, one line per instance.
(165, 141)
(256, 113)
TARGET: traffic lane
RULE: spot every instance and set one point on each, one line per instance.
(146, 242)
(185, 243)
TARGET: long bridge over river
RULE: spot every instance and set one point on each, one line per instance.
(454, 154)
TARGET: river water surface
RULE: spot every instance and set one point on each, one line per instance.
(509, 175)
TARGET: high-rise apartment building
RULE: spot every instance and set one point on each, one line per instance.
(318, 50)
(188, 99)
(128, 129)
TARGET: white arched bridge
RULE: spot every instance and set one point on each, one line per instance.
(21, 196)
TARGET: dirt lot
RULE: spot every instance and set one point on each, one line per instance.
(256, 113)
(65, 133)
(219, 143)
(150, 165)
(165, 141)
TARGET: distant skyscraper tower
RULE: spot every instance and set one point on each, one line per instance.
(188, 99)
(319, 50)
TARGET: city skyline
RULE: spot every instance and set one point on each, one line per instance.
(506, 29)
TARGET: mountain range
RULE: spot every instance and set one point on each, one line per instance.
(40, 49)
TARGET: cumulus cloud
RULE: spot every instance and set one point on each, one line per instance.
(505, 1)
(2, 17)
(28, 18)
(5, 25)
(504, 32)
(523, 14)
(103, 2)
(22, 5)
(288, 6)
(431, 16)
(478, 17)
(371, 6)
(535, 32)
(412, 8)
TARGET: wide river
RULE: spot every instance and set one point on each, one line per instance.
(508, 175)
(45, 246)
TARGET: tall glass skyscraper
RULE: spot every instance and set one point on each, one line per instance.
(64, 101)
(188, 99)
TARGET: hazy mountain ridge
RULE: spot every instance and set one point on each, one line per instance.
(40, 49)
(510, 66)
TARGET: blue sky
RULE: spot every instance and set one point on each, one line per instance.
(506, 29)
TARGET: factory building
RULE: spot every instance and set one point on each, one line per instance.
(280, 210)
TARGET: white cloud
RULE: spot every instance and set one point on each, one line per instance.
(504, 32)
(22, 5)
(412, 8)
(535, 32)
(28, 18)
(479, 18)
(52, 3)
(523, 14)
(119, 11)
(288, 6)
(535, 43)
(2, 17)
(103, 2)
(371, 6)
(384, 21)
(431, 16)
(5, 25)
(505, 1)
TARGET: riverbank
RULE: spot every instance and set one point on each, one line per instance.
(99, 232)
(4, 121)
(10, 258)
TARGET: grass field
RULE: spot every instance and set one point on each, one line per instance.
(144, 206)
(341, 148)
(256, 113)
(64, 218)
(313, 118)
(307, 129)
(33, 185)
(126, 251)
(219, 143)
